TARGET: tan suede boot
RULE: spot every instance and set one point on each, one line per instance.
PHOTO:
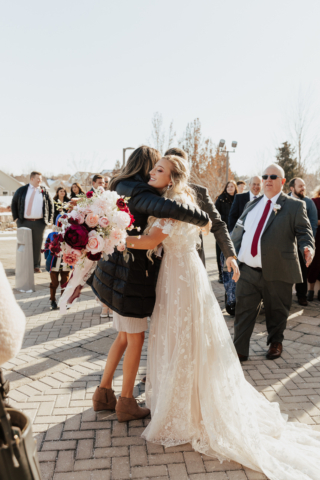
(127, 409)
(104, 399)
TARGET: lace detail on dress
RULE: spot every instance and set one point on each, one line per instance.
(196, 388)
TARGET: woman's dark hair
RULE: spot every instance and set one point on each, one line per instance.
(56, 197)
(225, 188)
(72, 194)
(141, 161)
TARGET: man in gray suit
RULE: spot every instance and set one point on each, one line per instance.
(219, 228)
(266, 238)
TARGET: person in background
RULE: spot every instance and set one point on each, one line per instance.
(12, 321)
(106, 182)
(298, 190)
(255, 184)
(314, 269)
(267, 238)
(223, 205)
(62, 197)
(32, 207)
(241, 185)
(76, 189)
(97, 181)
(56, 268)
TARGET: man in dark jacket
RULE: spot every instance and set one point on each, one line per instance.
(242, 199)
(97, 181)
(32, 207)
(298, 190)
(219, 228)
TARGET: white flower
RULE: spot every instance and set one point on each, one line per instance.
(117, 235)
(121, 219)
(108, 246)
(276, 207)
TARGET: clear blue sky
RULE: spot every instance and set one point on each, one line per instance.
(82, 79)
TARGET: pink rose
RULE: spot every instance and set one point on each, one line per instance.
(103, 222)
(92, 220)
(121, 247)
(71, 257)
(95, 243)
(117, 235)
(108, 246)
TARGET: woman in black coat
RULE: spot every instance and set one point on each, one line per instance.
(129, 288)
(62, 197)
(223, 205)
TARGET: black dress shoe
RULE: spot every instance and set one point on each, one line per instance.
(220, 278)
(231, 309)
(303, 301)
(54, 305)
(242, 358)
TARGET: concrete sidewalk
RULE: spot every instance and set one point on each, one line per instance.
(61, 363)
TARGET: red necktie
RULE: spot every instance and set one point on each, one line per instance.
(254, 246)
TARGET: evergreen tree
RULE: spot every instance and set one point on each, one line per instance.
(288, 161)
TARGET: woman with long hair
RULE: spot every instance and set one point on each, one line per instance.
(61, 196)
(128, 288)
(223, 205)
(196, 388)
(76, 189)
(314, 269)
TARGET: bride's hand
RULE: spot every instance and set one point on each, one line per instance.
(206, 230)
(232, 264)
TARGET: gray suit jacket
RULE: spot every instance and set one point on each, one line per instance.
(219, 228)
(285, 230)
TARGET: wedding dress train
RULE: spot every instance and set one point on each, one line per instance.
(196, 388)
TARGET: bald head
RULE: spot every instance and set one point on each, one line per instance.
(255, 185)
(272, 187)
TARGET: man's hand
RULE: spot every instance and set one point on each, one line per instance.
(207, 228)
(308, 255)
(232, 264)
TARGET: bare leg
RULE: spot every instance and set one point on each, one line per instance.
(114, 356)
(131, 362)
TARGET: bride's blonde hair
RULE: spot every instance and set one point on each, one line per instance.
(180, 174)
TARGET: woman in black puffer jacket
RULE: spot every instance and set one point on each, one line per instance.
(129, 288)
(223, 205)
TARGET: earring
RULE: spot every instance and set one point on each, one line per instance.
(168, 187)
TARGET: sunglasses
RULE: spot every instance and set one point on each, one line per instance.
(272, 177)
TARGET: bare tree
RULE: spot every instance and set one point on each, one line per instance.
(303, 129)
(159, 139)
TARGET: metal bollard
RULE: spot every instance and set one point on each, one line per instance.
(24, 260)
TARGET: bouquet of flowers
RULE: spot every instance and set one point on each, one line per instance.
(94, 227)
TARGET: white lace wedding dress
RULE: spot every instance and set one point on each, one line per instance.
(196, 388)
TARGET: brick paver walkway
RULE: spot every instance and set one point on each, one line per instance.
(61, 363)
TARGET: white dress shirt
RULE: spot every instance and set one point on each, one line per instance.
(252, 197)
(250, 226)
(37, 206)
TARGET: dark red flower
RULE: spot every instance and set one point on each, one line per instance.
(94, 257)
(73, 221)
(76, 236)
(121, 204)
(89, 194)
(131, 218)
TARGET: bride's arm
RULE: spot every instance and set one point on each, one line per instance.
(147, 242)
(158, 232)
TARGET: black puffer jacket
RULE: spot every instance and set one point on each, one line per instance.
(18, 203)
(129, 288)
(223, 205)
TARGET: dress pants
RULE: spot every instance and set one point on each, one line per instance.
(54, 277)
(218, 253)
(251, 289)
(302, 288)
(37, 227)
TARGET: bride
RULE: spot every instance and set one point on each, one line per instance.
(196, 388)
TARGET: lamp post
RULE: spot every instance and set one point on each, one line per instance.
(124, 155)
(233, 145)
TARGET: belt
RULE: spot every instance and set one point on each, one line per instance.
(258, 269)
(33, 219)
